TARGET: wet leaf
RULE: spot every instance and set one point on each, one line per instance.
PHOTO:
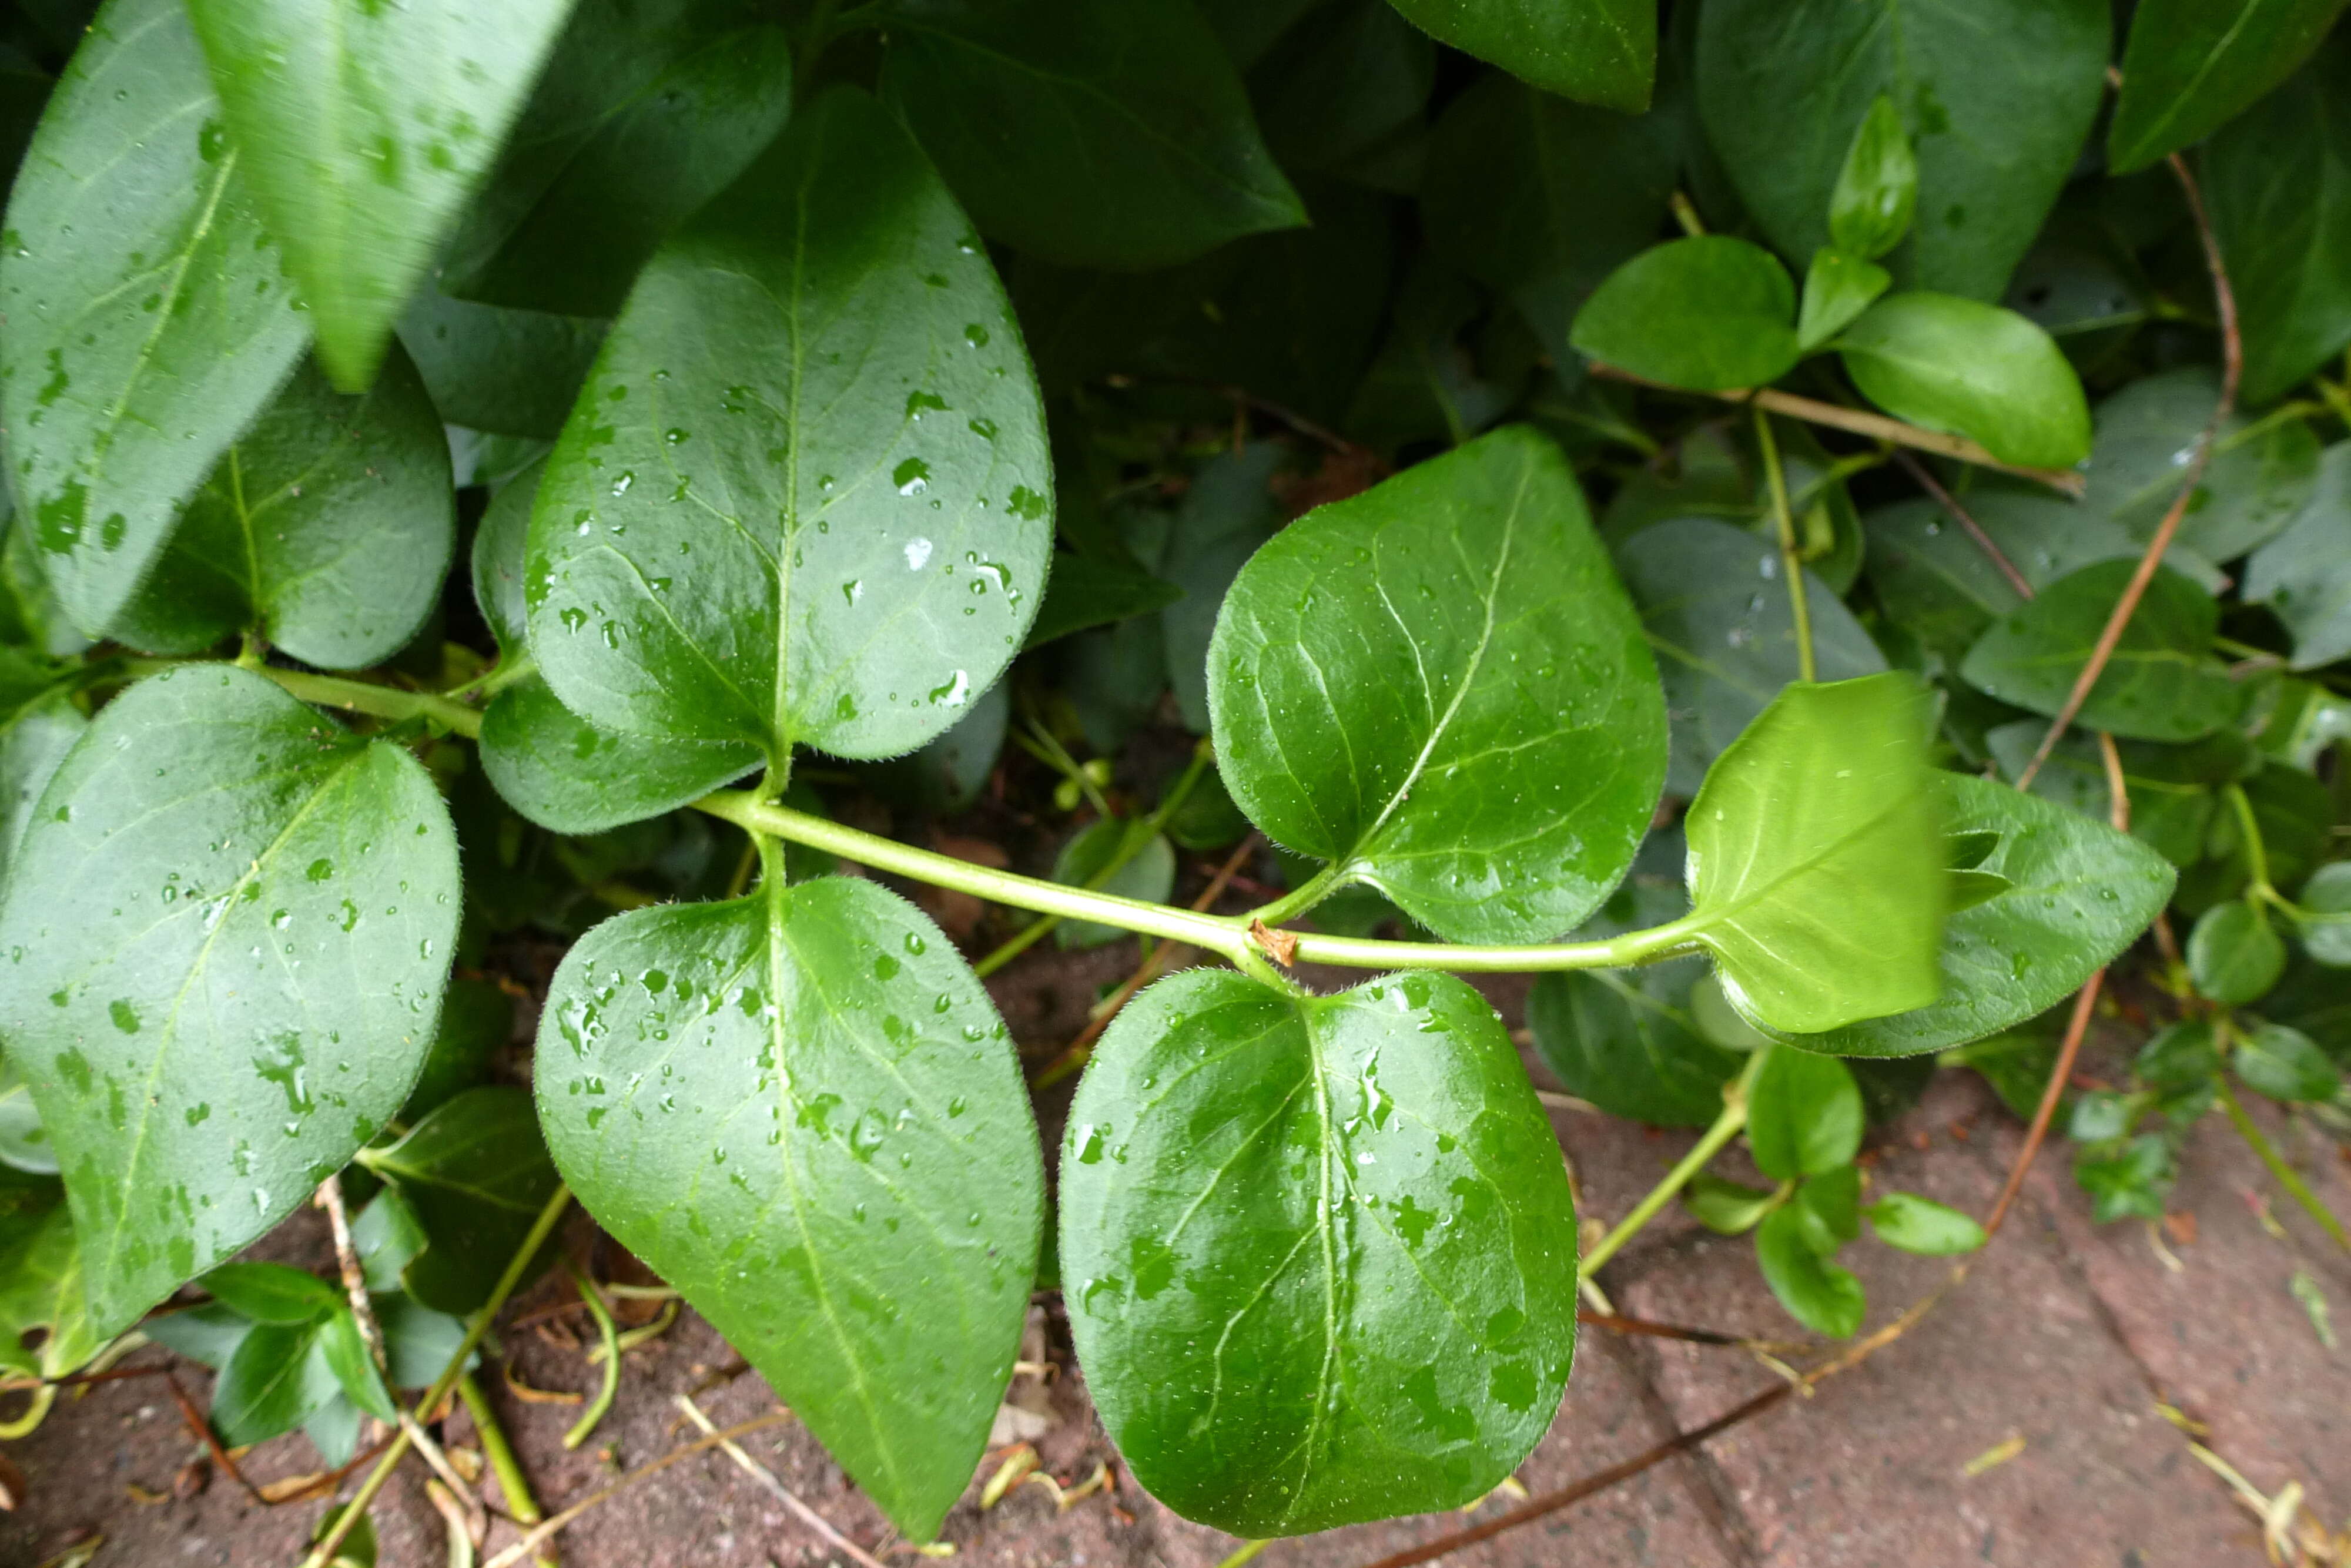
(2261, 476)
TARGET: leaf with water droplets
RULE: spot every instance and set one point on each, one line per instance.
(1318, 1251)
(1440, 686)
(800, 1109)
(805, 496)
(228, 928)
(148, 318)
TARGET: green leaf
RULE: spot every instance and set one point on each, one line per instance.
(644, 112)
(2233, 955)
(1830, 1208)
(1710, 313)
(2304, 573)
(829, 525)
(2192, 66)
(418, 1342)
(2278, 184)
(207, 1334)
(1837, 288)
(2171, 787)
(345, 1352)
(24, 1144)
(1876, 189)
(236, 921)
(1225, 516)
(43, 1285)
(1594, 51)
(387, 1235)
(367, 128)
(1726, 1208)
(1973, 369)
(1340, 89)
(2326, 901)
(1084, 590)
(1148, 872)
(2294, 813)
(811, 1079)
(2078, 893)
(1923, 1225)
(271, 1292)
(274, 1381)
(2162, 683)
(1815, 862)
(2285, 1064)
(1803, 1114)
(475, 1176)
(2182, 1057)
(1819, 1294)
(1996, 98)
(1086, 137)
(2128, 1182)
(476, 1020)
(326, 527)
(1440, 687)
(1716, 609)
(513, 372)
(2261, 474)
(148, 320)
(1295, 1197)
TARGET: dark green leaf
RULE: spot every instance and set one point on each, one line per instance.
(1084, 590)
(475, 1176)
(2261, 476)
(1726, 1208)
(829, 524)
(271, 1292)
(1086, 137)
(1973, 369)
(2171, 787)
(2078, 894)
(2326, 924)
(2233, 955)
(1715, 607)
(326, 527)
(274, 1381)
(574, 776)
(516, 372)
(1921, 1224)
(1292, 1195)
(476, 1020)
(812, 1079)
(2016, 1065)
(1815, 859)
(2128, 1182)
(646, 110)
(2284, 1064)
(207, 1334)
(2192, 66)
(1837, 288)
(2304, 573)
(1711, 313)
(1595, 51)
(236, 921)
(2294, 813)
(1208, 818)
(1996, 98)
(1147, 871)
(1876, 189)
(1339, 84)
(2162, 683)
(1227, 514)
(366, 128)
(150, 320)
(2182, 1057)
(1440, 687)
(1803, 1114)
(1824, 1297)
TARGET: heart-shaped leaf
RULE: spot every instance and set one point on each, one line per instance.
(829, 523)
(236, 922)
(800, 1109)
(1318, 1251)
(1440, 687)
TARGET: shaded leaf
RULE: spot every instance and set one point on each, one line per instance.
(271, 1292)
(2261, 476)
(275, 1380)
(2304, 573)
(2284, 1064)
(2192, 66)
(475, 1176)
(1595, 51)
(1726, 1208)
(514, 372)
(1147, 872)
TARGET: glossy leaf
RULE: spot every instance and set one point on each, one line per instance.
(1974, 369)
(1876, 190)
(1923, 1225)
(2233, 953)
(1815, 861)
(1147, 872)
(2285, 1064)
(1715, 608)
(2326, 900)
(1710, 313)
(326, 527)
(1594, 51)
(2192, 66)
(510, 372)
(829, 524)
(2304, 573)
(33, 742)
(1837, 288)
(1997, 97)
(2259, 478)
(367, 128)
(2077, 894)
(149, 319)
(1803, 1114)
(1819, 1294)
(800, 1109)
(271, 1292)
(1440, 687)
(1297, 1197)
(235, 920)
(1086, 137)
(2162, 681)
(1726, 1208)
(275, 1380)
(475, 1176)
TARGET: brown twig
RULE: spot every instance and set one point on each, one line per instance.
(203, 1429)
(2232, 367)
(1647, 1329)
(346, 1261)
(1958, 514)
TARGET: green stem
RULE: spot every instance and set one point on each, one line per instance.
(1248, 1551)
(610, 1332)
(2256, 853)
(1791, 561)
(2288, 1177)
(356, 1510)
(381, 702)
(1726, 1127)
(500, 1453)
(1633, 947)
(1302, 898)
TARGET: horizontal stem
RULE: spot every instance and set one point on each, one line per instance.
(1615, 953)
(381, 702)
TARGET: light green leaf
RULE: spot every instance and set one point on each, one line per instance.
(2192, 66)
(1803, 1114)
(2262, 474)
(1819, 1294)
(367, 128)
(1921, 1224)
(236, 921)
(2233, 955)
(830, 523)
(345, 1352)
(1829, 1205)
(1973, 369)
(2285, 1064)
(1837, 288)
(2326, 921)
(1440, 687)
(1815, 860)
(24, 1144)
(2304, 573)
(1726, 1208)
(1876, 189)
(1086, 137)
(475, 1176)
(811, 1079)
(327, 526)
(1148, 872)
(2162, 681)
(1594, 51)
(44, 1286)
(148, 318)
(1710, 313)
(1317, 1272)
